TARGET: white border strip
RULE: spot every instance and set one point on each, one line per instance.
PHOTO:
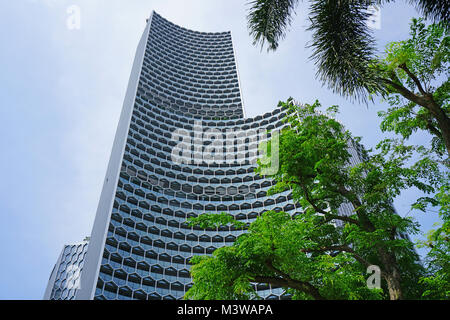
(94, 256)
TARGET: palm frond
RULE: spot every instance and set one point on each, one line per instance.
(435, 10)
(343, 47)
(269, 19)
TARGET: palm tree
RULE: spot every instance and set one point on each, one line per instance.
(342, 42)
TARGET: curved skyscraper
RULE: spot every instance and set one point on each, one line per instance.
(183, 147)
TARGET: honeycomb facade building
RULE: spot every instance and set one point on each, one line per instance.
(184, 86)
(65, 277)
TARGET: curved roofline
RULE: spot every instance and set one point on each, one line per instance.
(190, 30)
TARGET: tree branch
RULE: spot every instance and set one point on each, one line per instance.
(413, 77)
(287, 281)
(357, 205)
(342, 248)
(406, 93)
(317, 209)
(283, 283)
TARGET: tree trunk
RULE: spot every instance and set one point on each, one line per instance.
(441, 118)
(393, 282)
(391, 274)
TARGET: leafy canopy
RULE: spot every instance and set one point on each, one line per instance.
(413, 68)
(320, 253)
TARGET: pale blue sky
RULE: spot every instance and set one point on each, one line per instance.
(61, 93)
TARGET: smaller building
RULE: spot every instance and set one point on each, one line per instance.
(65, 278)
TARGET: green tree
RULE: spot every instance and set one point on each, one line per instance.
(437, 282)
(320, 254)
(416, 71)
(417, 78)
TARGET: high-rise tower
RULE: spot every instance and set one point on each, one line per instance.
(183, 91)
(140, 243)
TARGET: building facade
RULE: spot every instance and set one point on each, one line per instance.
(65, 277)
(183, 147)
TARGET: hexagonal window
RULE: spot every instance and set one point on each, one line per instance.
(166, 233)
(214, 180)
(171, 271)
(198, 206)
(172, 246)
(197, 190)
(111, 287)
(156, 208)
(210, 250)
(125, 291)
(151, 254)
(107, 269)
(175, 185)
(154, 296)
(132, 200)
(57, 294)
(244, 189)
(257, 204)
(230, 238)
(198, 249)
(161, 220)
(178, 259)
(143, 266)
(185, 248)
(157, 269)
(252, 215)
(163, 284)
(140, 295)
